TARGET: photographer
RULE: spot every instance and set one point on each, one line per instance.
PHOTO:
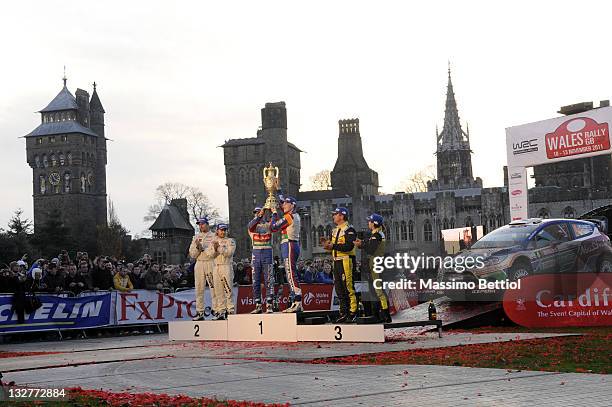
(8, 281)
(53, 281)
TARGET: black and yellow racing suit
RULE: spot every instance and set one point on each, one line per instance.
(374, 246)
(343, 252)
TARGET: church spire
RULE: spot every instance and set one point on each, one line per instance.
(64, 78)
(452, 136)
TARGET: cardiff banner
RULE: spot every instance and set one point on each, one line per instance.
(58, 313)
(561, 300)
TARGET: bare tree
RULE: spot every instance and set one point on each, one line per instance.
(198, 204)
(417, 182)
(321, 181)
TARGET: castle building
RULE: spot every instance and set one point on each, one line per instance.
(413, 221)
(67, 154)
(245, 160)
(171, 234)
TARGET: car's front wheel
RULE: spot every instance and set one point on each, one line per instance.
(605, 264)
(520, 269)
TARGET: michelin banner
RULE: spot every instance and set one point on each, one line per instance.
(58, 313)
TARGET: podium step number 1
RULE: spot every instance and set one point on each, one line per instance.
(262, 327)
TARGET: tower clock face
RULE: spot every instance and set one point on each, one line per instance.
(54, 178)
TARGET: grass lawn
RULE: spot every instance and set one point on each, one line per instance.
(590, 352)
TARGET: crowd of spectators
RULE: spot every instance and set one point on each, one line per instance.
(63, 274)
(73, 276)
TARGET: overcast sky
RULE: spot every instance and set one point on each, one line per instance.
(178, 78)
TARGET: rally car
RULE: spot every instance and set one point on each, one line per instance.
(537, 246)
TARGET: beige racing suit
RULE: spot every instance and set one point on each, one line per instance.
(223, 275)
(203, 271)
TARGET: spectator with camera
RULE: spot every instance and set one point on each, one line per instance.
(53, 281)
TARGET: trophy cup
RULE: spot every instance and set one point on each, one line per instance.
(271, 182)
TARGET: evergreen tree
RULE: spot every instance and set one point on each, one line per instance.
(52, 236)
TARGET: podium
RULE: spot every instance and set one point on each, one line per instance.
(272, 328)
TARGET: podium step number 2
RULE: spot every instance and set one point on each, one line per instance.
(262, 327)
(197, 331)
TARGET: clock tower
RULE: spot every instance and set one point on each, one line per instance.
(67, 154)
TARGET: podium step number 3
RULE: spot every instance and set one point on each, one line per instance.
(341, 333)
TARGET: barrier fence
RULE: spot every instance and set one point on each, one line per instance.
(114, 308)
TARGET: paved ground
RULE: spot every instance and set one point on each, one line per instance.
(236, 371)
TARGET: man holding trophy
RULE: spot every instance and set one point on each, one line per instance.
(288, 223)
(262, 260)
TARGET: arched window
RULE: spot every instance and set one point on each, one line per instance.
(328, 231)
(485, 229)
(403, 230)
(62, 159)
(452, 223)
(543, 213)
(576, 182)
(243, 176)
(500, 221)
(83, 183)
(313, 233)
(411, 231)
(42, 183)
(445, 223)
(569, 213)
(37, 161)
(69, 158)
(44, 161)
(427, 233)
(53, 160)
(397, 231)
(67, 182)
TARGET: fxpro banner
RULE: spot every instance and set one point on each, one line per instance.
(564, 138)
(561, 300)
(152, 307)
(58, 313)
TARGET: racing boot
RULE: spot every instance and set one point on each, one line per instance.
(199, 317)
(341, 319)
(385, 316)
(295, 307)
(269, 307)
(258, 309)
